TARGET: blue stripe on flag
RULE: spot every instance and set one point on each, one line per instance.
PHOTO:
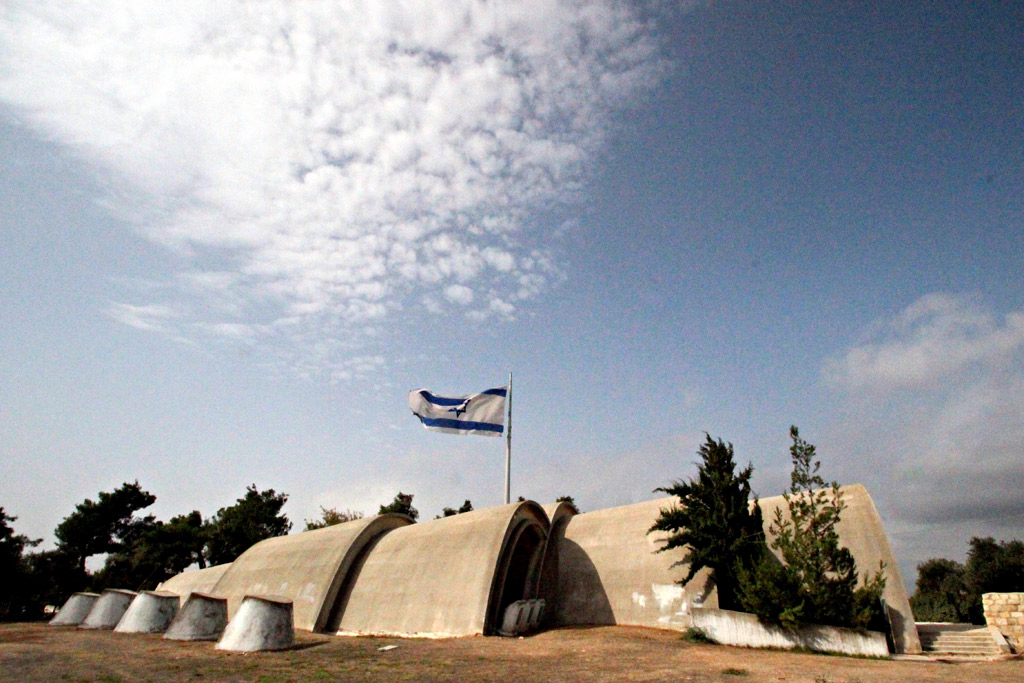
(447, 423)
(445, 401)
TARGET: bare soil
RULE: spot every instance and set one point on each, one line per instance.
(37, 652)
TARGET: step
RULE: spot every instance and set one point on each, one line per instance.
(973, 649)
(958, 639)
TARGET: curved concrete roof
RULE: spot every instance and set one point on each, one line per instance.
(308, 567)
(195, 581)
(444, 577)
(609, 570)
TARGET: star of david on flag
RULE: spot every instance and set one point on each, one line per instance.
(482, 413)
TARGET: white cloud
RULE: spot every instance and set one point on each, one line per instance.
(933, 418)
(459, 294)
(934, 338)
(332, 161)
(152, 318)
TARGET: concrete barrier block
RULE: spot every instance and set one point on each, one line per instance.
(510, 620)
(201, 617)
(536, 613)
(150, 612)
(75, 609)
(109, 609)
(262, 622)
(523, 623)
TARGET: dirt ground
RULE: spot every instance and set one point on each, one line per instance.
(37, 652)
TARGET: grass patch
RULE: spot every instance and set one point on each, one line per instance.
(734, 672)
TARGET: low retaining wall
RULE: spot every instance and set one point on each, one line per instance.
(1005, 613)
(745, 630)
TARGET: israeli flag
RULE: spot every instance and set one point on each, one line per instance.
(482, 413)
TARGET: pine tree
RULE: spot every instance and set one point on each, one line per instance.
(817, 580)
(402, 504)
(714, 519)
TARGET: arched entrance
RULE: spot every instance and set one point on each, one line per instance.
(517, 575)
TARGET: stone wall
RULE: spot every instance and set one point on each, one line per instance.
(1005, 611)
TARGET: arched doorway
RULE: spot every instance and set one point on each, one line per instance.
(518, 571)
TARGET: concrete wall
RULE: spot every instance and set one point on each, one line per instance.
(195, 581)
(609, 570)
(307, 568)
(860, 530)
(1005, 613)
(744, 630)
(444, 577)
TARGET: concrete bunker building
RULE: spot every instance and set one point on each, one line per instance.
(455, 576)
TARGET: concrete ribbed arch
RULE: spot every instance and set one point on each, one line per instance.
(443, 577)
(559, 514)
(308, 568)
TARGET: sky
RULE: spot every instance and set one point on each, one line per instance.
(234, 235)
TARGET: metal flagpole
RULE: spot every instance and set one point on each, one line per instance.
(508, 442)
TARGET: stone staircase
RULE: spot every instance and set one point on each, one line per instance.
(962, 640)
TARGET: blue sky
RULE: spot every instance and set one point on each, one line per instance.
(235, 235)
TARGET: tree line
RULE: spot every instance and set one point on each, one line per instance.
(951, 591)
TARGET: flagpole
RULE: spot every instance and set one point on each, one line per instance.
(508, 443)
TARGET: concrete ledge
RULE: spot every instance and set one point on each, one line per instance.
(109, 609)
(75, 609)
(262, 622)
(745, 630)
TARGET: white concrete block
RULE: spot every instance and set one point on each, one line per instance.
(201, 617)
(75, 609)
(109, 609)
(261, 623)
(150, 612)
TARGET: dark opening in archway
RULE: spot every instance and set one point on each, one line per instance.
(520, 571)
